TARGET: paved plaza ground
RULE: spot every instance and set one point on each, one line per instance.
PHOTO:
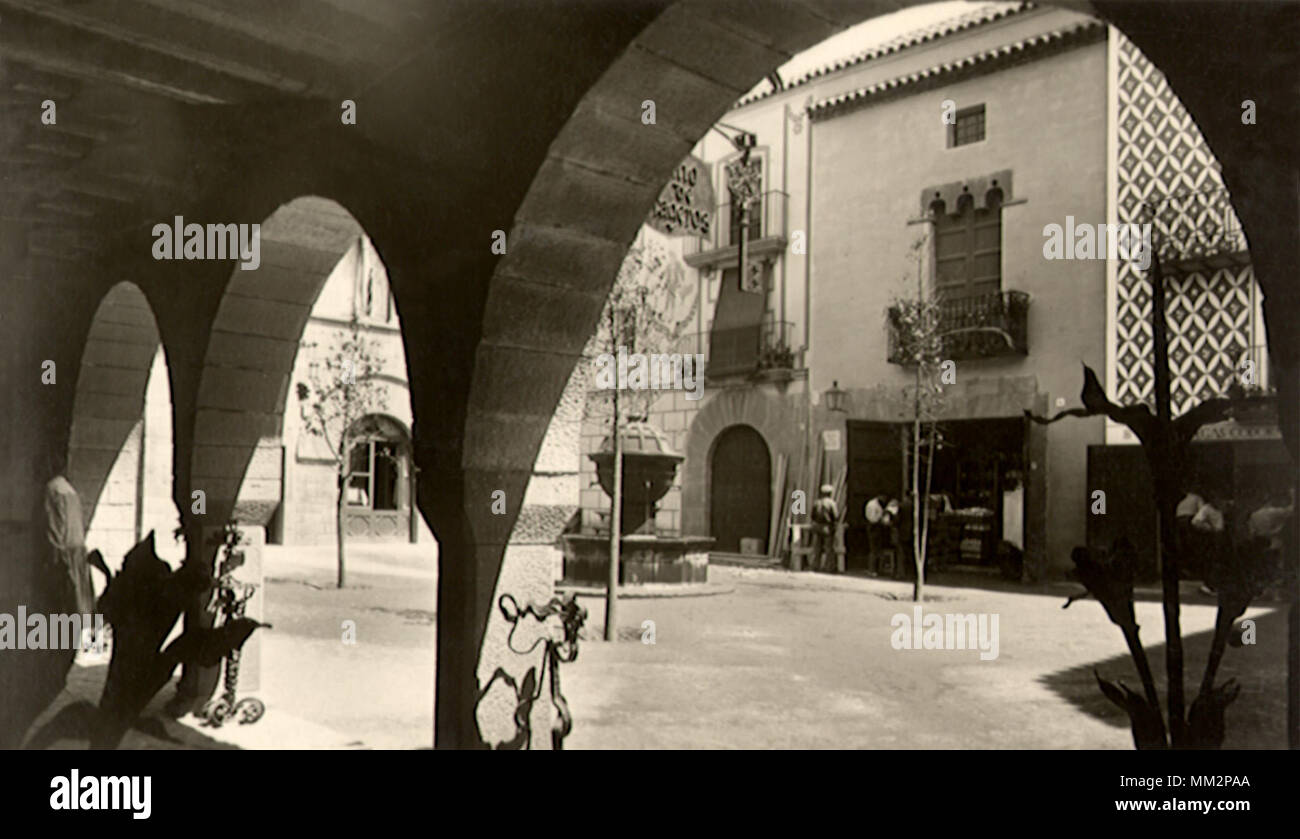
(781, 661)
(805, 660)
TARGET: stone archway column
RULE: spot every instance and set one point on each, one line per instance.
(440, 498)
(471, 549)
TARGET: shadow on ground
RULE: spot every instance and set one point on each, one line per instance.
(67, 723)
(1257, 720)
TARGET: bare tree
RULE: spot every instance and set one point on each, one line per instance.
(915, 324)
(648, 310)
(337, 404)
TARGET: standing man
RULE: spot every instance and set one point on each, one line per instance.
(825, 515)
(879, 520)
(65, 542)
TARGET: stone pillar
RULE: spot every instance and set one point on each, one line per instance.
(528, 571)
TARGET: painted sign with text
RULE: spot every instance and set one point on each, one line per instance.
(685, 207)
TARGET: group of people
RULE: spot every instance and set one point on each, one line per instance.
(889, 527)
(1204, 521)
(888, 537)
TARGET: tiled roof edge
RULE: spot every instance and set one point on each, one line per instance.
(1027, 49)
(915, 38)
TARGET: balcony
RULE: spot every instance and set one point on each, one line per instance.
(761, 352)
(980, 326)
(1197, 231)
(767, 233)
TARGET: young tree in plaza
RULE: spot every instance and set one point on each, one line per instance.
(647, 312)
(336, 402)
(915, 324)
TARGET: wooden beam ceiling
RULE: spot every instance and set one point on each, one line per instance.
(113, 68)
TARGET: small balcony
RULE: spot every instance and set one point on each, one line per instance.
(764, 351)
(979, 326)
(767, 233)
(1197, 231)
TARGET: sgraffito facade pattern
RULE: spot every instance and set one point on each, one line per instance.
(1165, 166)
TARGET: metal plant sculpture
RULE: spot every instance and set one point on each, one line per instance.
(1244, 574)
(571, 618)
(229, 599)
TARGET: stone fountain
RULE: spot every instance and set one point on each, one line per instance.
(645, 555)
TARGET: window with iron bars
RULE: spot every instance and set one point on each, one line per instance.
(968, 127)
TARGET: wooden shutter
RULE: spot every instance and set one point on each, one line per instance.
(968, 249)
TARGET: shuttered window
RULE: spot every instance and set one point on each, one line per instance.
(968, 248)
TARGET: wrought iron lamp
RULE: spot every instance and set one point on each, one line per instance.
(835, 397)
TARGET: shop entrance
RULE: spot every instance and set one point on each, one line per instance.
(977, 487)
(979, 474)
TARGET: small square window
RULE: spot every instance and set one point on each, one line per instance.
(968, 128)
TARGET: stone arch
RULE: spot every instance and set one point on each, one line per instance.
(108, 415)
(250, 355)
(775, 419)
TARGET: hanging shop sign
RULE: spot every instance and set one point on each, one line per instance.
(686, 205)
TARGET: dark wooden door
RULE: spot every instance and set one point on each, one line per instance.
(875, 468)
(740, 489)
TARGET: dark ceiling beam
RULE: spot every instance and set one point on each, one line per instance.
(63, 49)
(101, 189)
(69, 207)
(393, 15)
(313, 29)
(234, 54)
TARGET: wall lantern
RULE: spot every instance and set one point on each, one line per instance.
(835, 397)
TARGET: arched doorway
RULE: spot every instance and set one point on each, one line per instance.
(740, 489)
(378, 496)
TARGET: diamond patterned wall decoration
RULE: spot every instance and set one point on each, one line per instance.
(1160, 154)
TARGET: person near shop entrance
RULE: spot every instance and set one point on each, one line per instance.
(879, 513)
(825, 516)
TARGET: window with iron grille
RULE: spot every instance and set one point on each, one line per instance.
(968, 128)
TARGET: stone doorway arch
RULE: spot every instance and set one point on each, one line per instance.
(740, 489)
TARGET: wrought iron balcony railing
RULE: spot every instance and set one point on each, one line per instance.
(764, 348)
(979, 326)
(767, 231)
